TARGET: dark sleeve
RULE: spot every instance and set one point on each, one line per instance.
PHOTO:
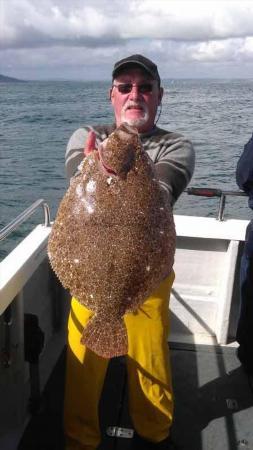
(244, 169)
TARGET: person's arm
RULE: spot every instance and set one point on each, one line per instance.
(175, 164)
(80, 142)
(244, 169)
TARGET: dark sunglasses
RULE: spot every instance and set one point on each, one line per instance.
(125, 88)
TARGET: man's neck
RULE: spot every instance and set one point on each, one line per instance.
(149, 132)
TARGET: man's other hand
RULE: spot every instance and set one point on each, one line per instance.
(90, 143)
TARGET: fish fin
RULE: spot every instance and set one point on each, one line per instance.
(106, 339)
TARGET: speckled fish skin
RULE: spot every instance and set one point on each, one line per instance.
(113, 240)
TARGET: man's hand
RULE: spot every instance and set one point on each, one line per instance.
(90, 143)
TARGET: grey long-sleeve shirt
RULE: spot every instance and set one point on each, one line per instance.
(172, 153)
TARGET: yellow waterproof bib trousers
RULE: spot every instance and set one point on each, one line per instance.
(148, 367)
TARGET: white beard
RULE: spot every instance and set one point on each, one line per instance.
(135, 122)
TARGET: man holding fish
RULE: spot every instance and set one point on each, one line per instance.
(135, 95)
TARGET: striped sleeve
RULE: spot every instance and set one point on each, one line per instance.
(175, 161)
(75, 151)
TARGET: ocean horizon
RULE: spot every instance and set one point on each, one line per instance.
(38, 118)
(108, 80)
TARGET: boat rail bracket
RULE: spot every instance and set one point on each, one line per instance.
(127, 433)
(6, 350)
(33, 343)
(213, 192)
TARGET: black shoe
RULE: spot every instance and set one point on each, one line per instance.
(245, 360)
(142, 444)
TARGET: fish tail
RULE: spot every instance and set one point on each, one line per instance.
(106, 339)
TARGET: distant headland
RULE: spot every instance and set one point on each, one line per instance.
(4, 79)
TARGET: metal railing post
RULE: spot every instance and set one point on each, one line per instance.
(221, 207)
(213, 192)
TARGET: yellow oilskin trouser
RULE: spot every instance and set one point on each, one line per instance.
(148, 368)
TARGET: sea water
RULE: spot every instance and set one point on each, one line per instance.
(38, 118)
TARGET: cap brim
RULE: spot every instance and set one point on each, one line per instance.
(137, 63)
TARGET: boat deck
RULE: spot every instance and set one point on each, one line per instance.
(213, 403)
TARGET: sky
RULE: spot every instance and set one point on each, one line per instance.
(82, 39)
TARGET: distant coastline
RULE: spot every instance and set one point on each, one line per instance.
(4, 79)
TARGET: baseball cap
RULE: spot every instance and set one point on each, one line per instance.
(138, 60)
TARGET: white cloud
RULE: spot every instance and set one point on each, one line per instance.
(190, 20)
(245, 52)
(97, 32)
(54, 21)
(215, 51)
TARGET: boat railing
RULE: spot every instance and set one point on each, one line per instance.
(213, 192)
(14, 224)
(202, 192)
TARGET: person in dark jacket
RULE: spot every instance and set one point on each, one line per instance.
(244, 179)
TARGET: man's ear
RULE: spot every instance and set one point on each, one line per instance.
(110, 94)
(161, 91)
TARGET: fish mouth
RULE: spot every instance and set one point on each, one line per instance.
(106, 169)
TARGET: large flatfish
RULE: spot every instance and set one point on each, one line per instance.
(113, 240)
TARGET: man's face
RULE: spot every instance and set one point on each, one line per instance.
(137, 108)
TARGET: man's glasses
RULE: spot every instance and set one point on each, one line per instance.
(125, 88)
